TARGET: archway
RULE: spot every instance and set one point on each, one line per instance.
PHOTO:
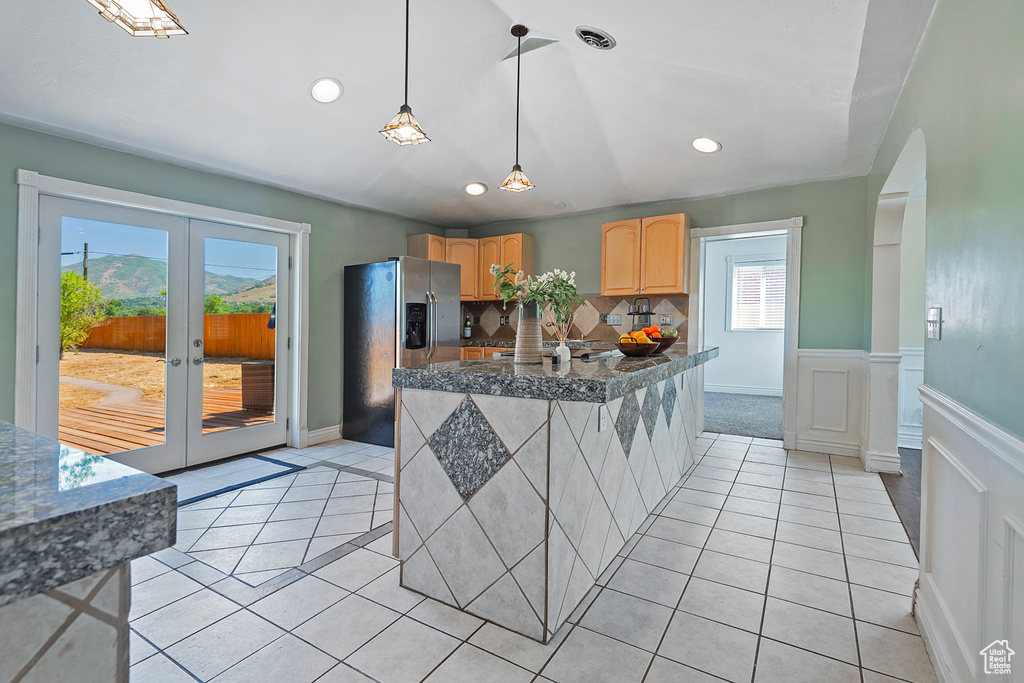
(881, 454)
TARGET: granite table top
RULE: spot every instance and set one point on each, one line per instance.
(598, 381)
(66, 514)
(548, 344)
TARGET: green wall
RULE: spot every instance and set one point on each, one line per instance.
(832, 269)
(965, 92)
(341, 235)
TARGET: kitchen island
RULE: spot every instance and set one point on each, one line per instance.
(70, 522)
(517, 485)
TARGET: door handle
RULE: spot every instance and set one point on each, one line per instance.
(198, 360)
(175, 362)
(431, 325)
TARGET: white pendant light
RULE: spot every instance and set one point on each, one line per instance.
(141, 17)
(404, 129)
(517, 180)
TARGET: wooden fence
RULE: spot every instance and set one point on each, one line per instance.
(232, 335)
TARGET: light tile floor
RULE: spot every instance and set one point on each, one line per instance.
(762, 566)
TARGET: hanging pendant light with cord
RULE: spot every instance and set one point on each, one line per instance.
(517, 180)
(404, 129)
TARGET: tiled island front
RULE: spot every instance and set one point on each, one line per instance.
(518, 485)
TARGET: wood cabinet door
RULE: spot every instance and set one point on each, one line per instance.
(620, 258)
(663, 254)
(474, 352)
(436, 248)
(512, 251)
(490, 253)
(463, 251)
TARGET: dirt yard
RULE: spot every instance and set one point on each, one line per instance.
(134, 369)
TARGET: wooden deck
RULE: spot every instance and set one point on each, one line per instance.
(122, 427)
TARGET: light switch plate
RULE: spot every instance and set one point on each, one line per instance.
(615, 319)
(602, 418)
(933, 323)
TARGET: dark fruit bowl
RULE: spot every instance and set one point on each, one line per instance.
(665, 342)
(636, 349)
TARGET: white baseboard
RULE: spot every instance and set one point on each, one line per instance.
(829, 447)
(317, 436)
(909, 439)
(734, 389)
(875, 461)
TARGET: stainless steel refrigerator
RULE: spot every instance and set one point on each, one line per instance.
(398, 313)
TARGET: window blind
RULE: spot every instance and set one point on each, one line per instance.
(759, 296)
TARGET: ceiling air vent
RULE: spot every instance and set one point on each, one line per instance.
(595, 38)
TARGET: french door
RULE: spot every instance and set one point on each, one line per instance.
(180, 356)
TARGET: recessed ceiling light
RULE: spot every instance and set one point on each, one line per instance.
(326, 90)
(707, 145)
(559, 205)
(476, 189)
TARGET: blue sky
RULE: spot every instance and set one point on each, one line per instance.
(224, 257)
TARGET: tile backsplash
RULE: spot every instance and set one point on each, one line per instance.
(588, 318)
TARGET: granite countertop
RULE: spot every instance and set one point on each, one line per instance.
(511, 343)
(66, 514)
(598, 381)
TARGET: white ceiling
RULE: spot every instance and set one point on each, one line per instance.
(795, 90)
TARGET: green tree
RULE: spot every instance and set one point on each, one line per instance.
(116, 308)
(81, 309)
(213, 304)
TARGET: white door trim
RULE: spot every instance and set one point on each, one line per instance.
(31, 185)
(793, 229)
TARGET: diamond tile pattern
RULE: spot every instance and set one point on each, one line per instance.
(468, 449)
(668, 400)
(650, 409)
(625, 424)
(261, 532)
(646, 615)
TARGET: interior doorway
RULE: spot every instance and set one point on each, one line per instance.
(744, 315)
(745, 300)
(158, 335)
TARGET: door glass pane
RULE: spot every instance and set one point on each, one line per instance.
(113, 307)
(239, 334)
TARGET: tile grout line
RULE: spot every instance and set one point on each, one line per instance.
(768, 579)
(689, 577)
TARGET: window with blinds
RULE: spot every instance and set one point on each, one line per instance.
(758, 296)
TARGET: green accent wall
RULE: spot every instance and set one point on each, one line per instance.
(833, 263)
(965, 92)
(340, 235)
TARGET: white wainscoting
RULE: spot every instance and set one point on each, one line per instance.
(831, 401)
(972, 539)
(908, 429)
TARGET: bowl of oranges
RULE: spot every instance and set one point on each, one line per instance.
(664, 337)
(637, 344)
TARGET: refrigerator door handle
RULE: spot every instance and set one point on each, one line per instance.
(431, 325)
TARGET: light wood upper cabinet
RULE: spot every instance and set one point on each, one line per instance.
(465, 252)
(490, 253)
(476, 256)
(516, 249)
(427, 246)
(620, 258)
(663, 254)
(644, 257)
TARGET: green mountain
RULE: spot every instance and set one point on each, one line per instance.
(135, 277)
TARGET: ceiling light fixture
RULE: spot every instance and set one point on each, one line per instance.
(326, 90)
(707, 145)
(141, 17)
(404, 129)
(517, 180)
(476, 189)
